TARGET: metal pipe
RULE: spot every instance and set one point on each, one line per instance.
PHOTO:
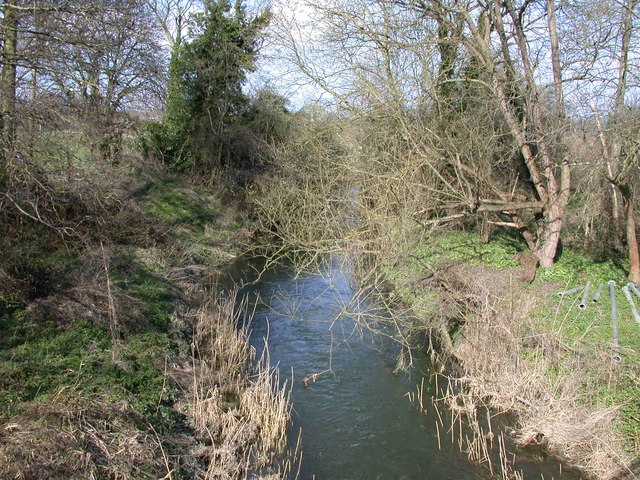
(615, 354)
(597, 295)
(633, 288)
(569, 292)
(634, 310)
(585, 294)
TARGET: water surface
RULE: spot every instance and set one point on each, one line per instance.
(356, 420)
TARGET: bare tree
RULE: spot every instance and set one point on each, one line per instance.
(622, 175)
(367, 63)
(618, 137)
(172, 16)
(111, 61)
(93, 60)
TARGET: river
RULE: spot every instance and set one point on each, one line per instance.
(354, 416)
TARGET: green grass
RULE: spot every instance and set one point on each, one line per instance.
(155, 295)
(592, 325)
(592, 329)
(205, 230)
(174, 205)
(573, 267)
(39, 359)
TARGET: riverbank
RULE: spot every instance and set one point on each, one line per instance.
(522, 350)
(117, 357)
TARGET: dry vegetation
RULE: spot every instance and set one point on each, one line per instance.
(239, 408)
(507, 349)
(506, 360)
(108, 288)
(67, 438)
(108, 262)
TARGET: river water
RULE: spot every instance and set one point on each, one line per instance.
(355, 420)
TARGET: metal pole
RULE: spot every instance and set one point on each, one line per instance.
(615, 354)
(633, 288)
(569, 292)
(597, 295)
(634, 310)
(585, 293)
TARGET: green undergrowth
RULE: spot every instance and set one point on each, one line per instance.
(61, 336)
(39, 360)
(175, 202)
(154, 293)
(570, 267)
(450, 247)
(585, 330)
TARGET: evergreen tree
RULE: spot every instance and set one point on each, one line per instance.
(205, 85)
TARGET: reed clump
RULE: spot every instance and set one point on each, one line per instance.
(238, 407)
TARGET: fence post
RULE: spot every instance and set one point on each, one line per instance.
(597, 295)
(634, 310)
(615, 354)
(569, 292)
(585, 293)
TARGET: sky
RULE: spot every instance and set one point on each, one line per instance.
(277, 73)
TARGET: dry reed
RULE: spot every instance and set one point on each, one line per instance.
(238, 407)
(504, 359)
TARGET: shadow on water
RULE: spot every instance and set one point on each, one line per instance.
(354, 412)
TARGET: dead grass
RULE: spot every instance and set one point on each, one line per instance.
(236, 407)
(507, 361)
(239, 409)
(65, 438)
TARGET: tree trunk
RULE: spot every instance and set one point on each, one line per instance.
(555, 57)
(551, 235)
(627, 30)
(448, 49)
(8, 86)
(621, 89)
(625, 190)
(632, 238)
